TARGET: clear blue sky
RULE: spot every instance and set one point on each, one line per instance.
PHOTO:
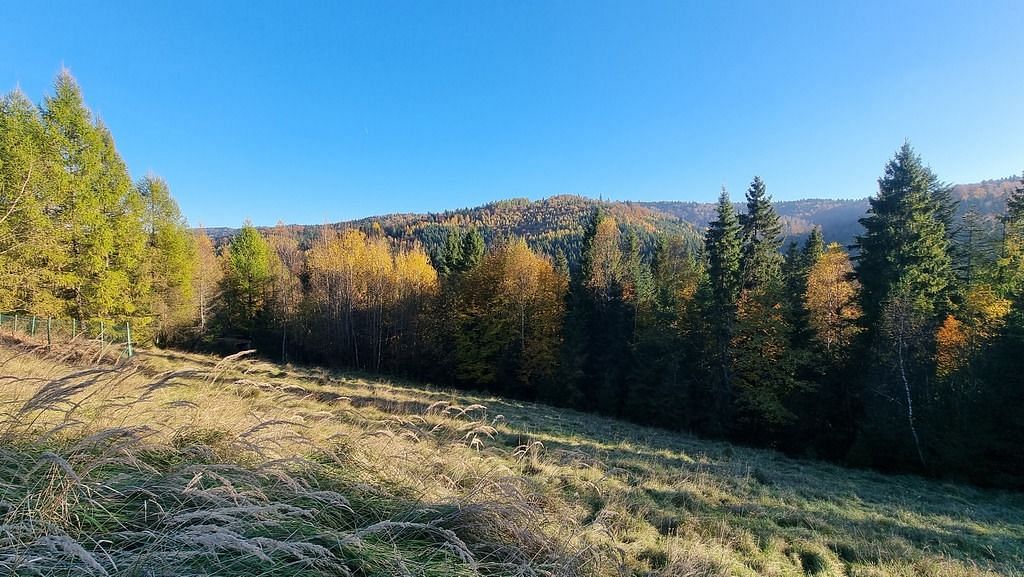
(322, 111)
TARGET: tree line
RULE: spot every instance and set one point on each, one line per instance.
(900, 352)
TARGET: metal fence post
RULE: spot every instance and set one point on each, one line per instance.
(49, 328)
(33, 332)
(128, 331)
(14, 327)
(74, 328)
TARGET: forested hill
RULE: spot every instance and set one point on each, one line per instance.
(552, 225)
(556, 224)
(837, 218)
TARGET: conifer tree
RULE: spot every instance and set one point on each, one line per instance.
(663, 348)
(510, 322)
(80, 221)
(30, 249)
(123, 285)
(814, 247)
(831, 302)
(762, 238)
(472, 250)
(206, 281)
(247, 274)
(905, 270)
(905, 240)
(170, 257)
(723, 246)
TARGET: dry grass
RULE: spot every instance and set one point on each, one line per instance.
(175, 464)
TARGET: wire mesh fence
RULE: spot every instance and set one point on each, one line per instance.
(54, 330)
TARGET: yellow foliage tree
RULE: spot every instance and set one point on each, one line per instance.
(367, 294)
(206, 279)
(831, 300)
(511, 320)
(984, 313)
(951, 346)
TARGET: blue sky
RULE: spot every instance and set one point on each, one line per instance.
(309, 112)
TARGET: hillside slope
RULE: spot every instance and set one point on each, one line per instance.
(556, 223)
(189, 465)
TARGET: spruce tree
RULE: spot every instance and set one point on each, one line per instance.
(764, 363)
(762, 238)
(723, 245)
(814, 247)
(905, 241)
(471, 250)
(905, 269)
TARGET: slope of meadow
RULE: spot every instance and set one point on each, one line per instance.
(173, 464)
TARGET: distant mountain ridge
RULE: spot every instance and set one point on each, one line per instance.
(556, 224)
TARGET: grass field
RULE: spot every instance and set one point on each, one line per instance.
(175, 464)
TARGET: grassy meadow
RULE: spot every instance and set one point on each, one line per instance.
(181, 464)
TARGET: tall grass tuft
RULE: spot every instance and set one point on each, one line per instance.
(112, 469)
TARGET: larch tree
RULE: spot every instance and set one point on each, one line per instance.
(285, 289)
(606, 303)
(30, 248)
(247, 275)
(170, 258)
(831, 301)
(206, 280)
(80, 223)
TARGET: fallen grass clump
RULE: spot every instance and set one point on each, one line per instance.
(179, 464)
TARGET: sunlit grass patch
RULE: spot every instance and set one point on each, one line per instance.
(181, 464)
